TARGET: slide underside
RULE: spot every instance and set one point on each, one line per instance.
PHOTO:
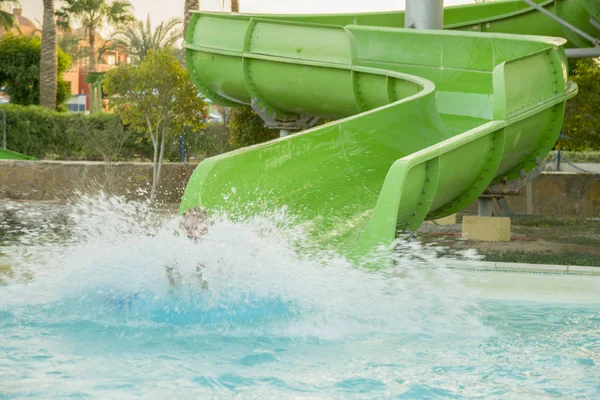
(422, 121)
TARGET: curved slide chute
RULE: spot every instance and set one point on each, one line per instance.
(422, 121)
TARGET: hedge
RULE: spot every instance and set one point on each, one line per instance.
(42, 133)
(45, 134)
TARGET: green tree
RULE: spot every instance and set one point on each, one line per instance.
(247, 128)
(582, 115)
(158, 99)
(138, 38)
(48, 61)
(20, 70)
(7, 19)
(93, 15)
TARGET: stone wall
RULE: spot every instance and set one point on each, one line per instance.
(60, 180)
(555, 194)
(552, 193)
(560, 193)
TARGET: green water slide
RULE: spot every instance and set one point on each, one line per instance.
(513, 16)
(422, 121)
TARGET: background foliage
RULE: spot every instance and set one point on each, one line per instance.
(158, 99)
(582, 115)
(247, 128)
(20, 70)
(155, 96)
(139, 38)
(42, 133)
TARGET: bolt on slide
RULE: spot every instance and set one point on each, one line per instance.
(422, 121)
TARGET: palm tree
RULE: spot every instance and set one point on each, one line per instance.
(48, 61)
(138, 38)
(92, 15)
(7, 19)
(234, 5)
(189, 7)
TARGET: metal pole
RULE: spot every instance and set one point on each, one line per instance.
(595, 23)
(564, 23)
(485, 207)
(424, 14)
(558, 160)
(182, 147)
(92, 99)
(100, 96)
(583, 53)
(529, 192)
(4, 129)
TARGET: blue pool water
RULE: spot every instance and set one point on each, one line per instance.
(92, 315)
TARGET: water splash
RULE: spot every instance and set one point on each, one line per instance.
(113, 264)
(87, 310)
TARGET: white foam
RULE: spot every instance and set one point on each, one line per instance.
(120, 249)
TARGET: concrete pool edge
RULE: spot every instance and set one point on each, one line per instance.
(496, 266)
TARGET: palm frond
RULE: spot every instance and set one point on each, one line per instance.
(14, 3)
(7, 19)
(138, 37)
(119, 12)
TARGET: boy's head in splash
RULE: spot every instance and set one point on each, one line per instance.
(195, 223)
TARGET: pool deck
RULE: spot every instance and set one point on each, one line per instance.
(493, 266)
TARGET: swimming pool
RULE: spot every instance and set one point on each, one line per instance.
(90, 314)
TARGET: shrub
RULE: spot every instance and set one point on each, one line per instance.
(30, 130)
(247, 128)
(20, 70)
(215, 140)
(102, 137)
(582, 117)
(41, 133)
(45, 134)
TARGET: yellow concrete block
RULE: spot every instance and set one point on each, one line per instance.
(488, 229)
(449, 220)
